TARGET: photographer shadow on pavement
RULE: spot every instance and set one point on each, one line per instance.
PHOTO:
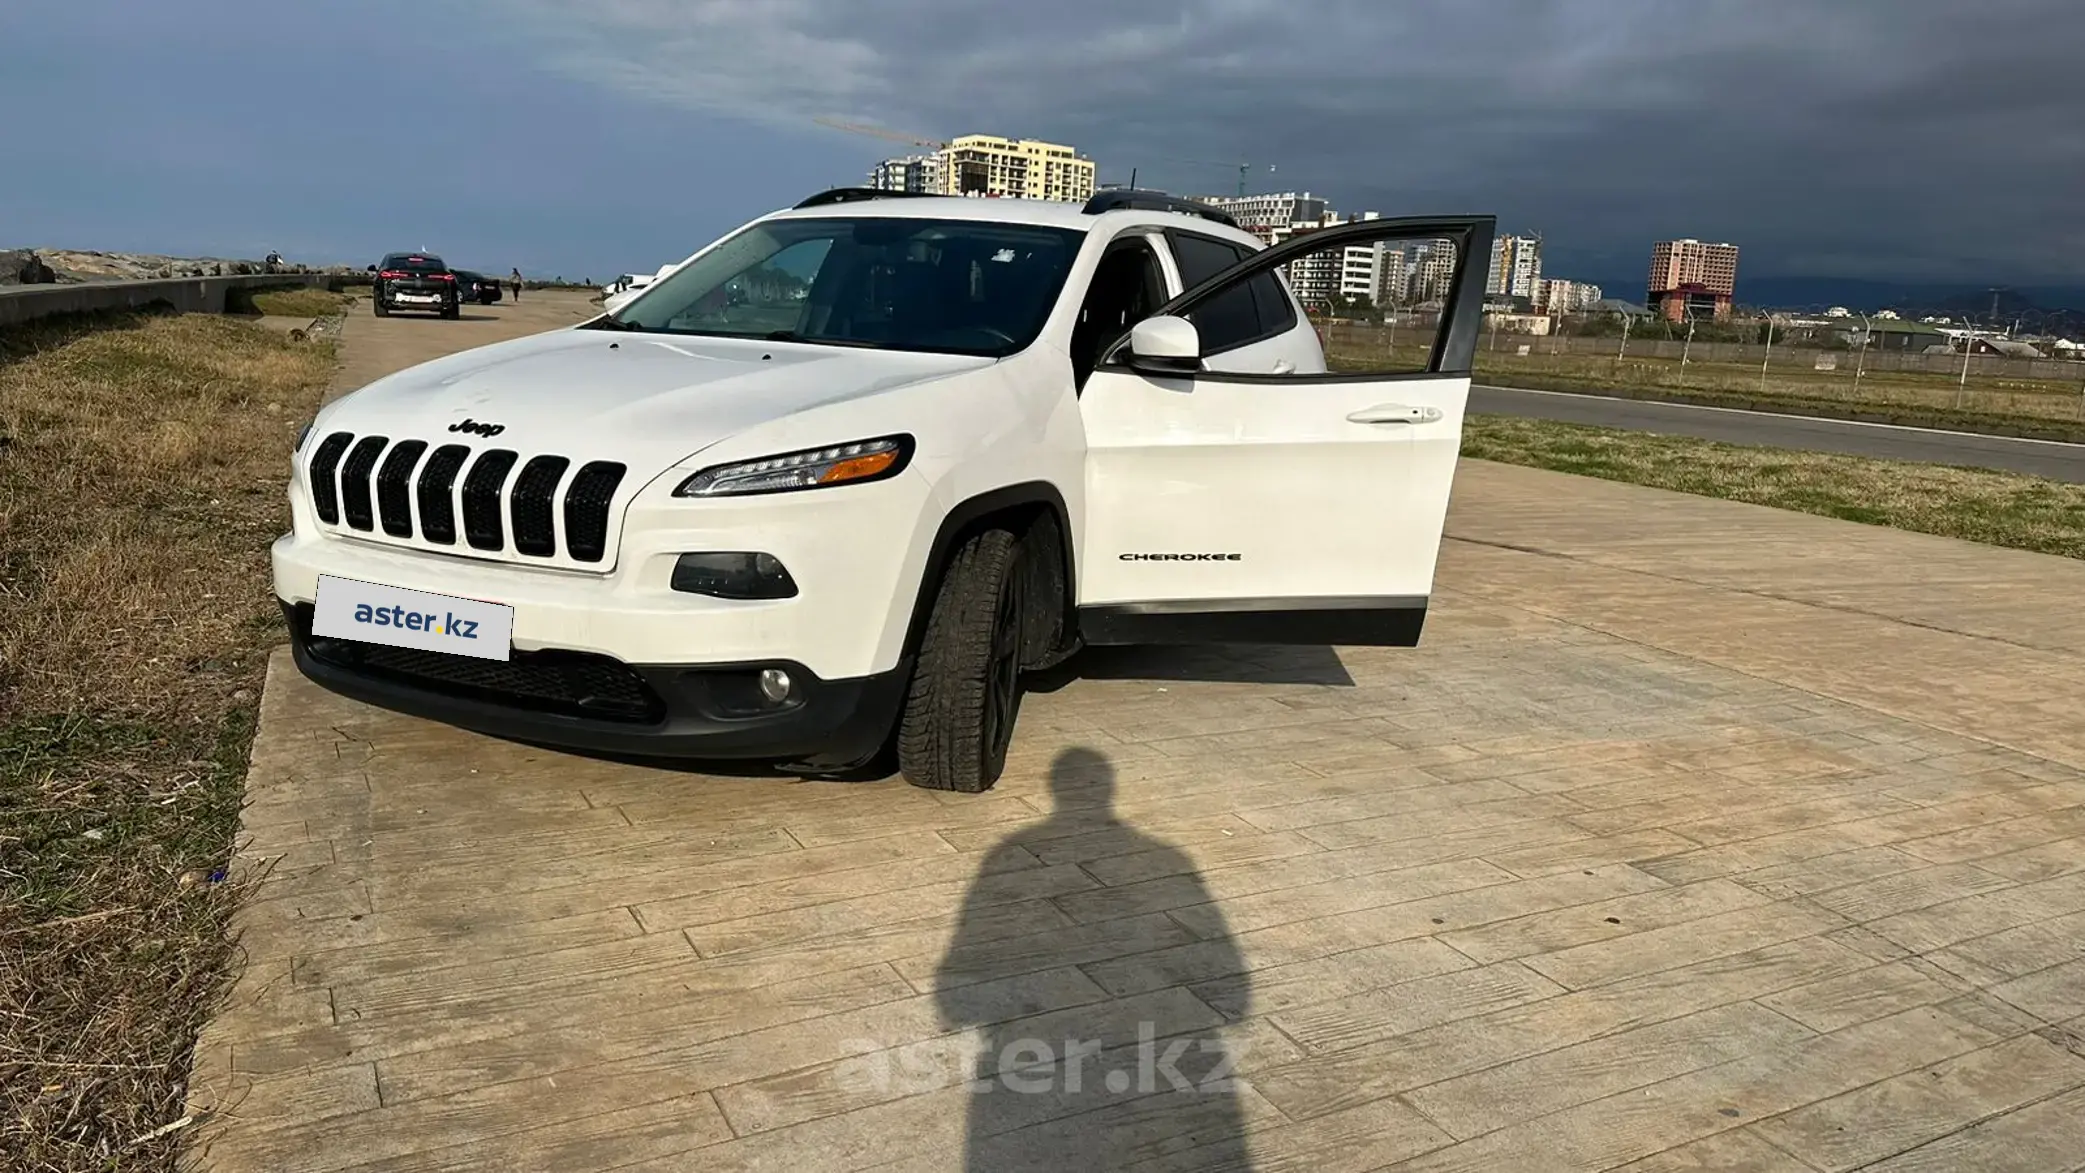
(1067, 1074)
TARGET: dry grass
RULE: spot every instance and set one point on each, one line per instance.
(142, 461)
(1997, 508)
(299, 303)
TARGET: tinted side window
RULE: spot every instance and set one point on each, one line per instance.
(1231, 318)
(1277, 313)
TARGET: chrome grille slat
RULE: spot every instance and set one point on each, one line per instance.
(538, 507)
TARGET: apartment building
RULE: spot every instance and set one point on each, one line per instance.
(1691, 278)
(1557, 295)
(917, 173)
(985, 165)
(1393, 277)
(1433, 272)
(1271, 216)
(1516, 267)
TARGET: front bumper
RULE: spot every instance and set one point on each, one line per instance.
(689, 712)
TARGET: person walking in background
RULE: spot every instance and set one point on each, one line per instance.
(515, 277)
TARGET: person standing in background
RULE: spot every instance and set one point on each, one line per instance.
(515, 277)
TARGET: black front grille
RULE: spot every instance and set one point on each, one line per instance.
(572, 684)
(481, 499)
(531, 506)
(354, 481)
(368, 481)
(437, 483)
(325, 463)
(586, 509)
(394, 498)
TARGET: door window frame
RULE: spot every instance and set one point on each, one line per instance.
(1245, 253)
(1455, 342)
(1164, 266)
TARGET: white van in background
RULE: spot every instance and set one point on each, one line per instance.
(628, 286)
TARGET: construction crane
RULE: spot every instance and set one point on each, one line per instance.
(1243, 169)
(879, 132)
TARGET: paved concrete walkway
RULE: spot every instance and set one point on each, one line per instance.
(1697, 836)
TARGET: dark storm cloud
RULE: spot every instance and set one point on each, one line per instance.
(1899, 138)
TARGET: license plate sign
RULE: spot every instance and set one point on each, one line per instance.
(348, 608)
(416, 297)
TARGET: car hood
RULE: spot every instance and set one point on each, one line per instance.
(647, 400)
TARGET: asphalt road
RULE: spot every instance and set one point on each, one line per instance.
(2047, 458)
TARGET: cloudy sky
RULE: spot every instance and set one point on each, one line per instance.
(1892, 139)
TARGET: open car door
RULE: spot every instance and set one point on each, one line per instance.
(1245, 485)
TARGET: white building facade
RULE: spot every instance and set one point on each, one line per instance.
(1516, 267)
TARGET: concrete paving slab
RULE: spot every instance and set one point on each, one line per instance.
(1696, 836)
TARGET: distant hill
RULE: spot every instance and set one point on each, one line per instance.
(1955, 299)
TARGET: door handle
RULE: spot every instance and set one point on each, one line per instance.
(1395, 413)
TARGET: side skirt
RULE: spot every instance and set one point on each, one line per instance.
(1384, 621)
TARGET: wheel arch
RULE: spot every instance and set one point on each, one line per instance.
(1017, 507)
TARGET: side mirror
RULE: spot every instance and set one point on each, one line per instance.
(1164, 346)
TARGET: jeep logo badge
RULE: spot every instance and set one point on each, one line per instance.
(477, 429)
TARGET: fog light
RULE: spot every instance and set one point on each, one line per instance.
(733, 576)
(775, 685)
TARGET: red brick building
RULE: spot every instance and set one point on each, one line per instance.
(1690, 278)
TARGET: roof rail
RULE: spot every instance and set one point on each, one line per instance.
(1119, 199)
(849, 195)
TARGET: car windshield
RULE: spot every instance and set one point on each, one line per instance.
(419, 264)
(894, 283)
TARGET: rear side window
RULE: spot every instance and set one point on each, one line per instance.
(1250, 312)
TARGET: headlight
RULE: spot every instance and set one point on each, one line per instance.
(816, 468)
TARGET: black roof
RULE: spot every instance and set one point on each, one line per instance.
(1121, 198)
(849, 195)
(1112, 200)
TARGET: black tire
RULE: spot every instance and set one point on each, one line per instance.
(452, 311)
(382, 310)
(1045, 639)
(966, 687)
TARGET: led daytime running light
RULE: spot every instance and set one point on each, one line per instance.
(840, 464)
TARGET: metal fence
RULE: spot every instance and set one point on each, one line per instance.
(1502, 346)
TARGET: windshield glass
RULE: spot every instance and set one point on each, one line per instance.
(420, 263)
(952, 286)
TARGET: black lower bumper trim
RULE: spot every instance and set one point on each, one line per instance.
(684, 712)
(1392, 623)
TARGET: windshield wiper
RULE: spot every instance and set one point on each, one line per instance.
(607, 322)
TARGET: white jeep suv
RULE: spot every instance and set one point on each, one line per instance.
(830, 488)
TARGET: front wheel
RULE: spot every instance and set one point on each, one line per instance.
(966, 688)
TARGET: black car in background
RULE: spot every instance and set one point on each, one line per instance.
(477, 288)
(416, 281)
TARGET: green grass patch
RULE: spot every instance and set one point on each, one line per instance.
(1978, 505)
(298, 303)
